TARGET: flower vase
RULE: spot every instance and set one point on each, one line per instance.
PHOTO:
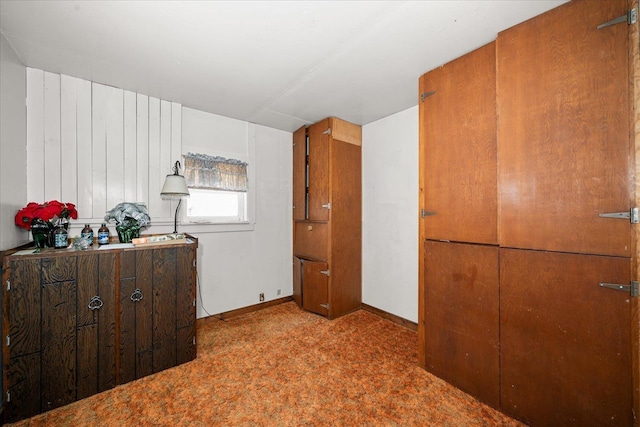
(126, 233)
(40, 231)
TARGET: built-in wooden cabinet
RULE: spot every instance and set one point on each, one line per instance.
(71, 318)
(524, 143)
(327, 209)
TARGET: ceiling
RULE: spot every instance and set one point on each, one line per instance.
(281, 64)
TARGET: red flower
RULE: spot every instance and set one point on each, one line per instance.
(45, 211)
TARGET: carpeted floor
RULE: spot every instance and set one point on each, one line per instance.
(285, 367)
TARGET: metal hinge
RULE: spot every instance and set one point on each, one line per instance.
(425, 213)
(328, 205)
(325, 272)
(633, 215)
(8, 285)
(425, 95)
(194, 302)
(8, 340)
(8, 396)
(630, 18)
(327, 132)
(633, 287)
(194, 340)
(194, 263)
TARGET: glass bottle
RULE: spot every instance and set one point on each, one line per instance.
(103, 234)
(61, 238)
(87, 232)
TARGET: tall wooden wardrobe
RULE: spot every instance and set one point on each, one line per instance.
(327, 230)
(526, 287)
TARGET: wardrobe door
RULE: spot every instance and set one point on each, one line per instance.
(318, 163)
(461, 317)
(458, 142)
(563, 133)
(315, 287)
(565, 340)
(299, 173)
(563, 156)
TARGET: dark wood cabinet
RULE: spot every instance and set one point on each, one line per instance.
(327, 217)
(66, 332)
(60, 329)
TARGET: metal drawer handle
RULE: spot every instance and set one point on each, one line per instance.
(95, 303)
(137, 295)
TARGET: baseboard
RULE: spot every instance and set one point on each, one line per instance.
(240, 311)
(392, 317)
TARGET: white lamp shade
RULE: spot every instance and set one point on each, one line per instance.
(175, 187)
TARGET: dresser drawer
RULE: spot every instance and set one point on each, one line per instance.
(310, 239)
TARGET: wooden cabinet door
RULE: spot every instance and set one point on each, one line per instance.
(22, 308)
(164, 308)
(297, 280)
(318, 164)
(299, 173)
(315, 295)
(58, 339)
(458, 143)
(564, 339)
(563, 147)
(461, 317)
(95, 323)
(185, 304)
(563, 133)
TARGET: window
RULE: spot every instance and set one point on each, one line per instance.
(218, 189)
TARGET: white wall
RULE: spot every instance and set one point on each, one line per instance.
(234, 266)
(13, 161)
(390, 214)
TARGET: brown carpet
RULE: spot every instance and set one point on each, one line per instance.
(285, 367)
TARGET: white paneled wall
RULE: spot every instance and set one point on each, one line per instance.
(96, 146)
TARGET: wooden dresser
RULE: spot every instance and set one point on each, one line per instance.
(80, 322)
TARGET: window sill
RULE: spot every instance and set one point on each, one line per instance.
(216, 227)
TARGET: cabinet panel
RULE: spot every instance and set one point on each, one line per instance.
(297, 281)
(299, 173)
(315, 294)
(461, 317)
(458, 134)
(24, 307)
(564, 139)
(318, 171)
(24, 375)
(185, 287)
(107, 322)
(144, 313)
(565, 340)
(310, 239)
(58, 342)
(164, 309)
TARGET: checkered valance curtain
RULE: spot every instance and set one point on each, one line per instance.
(215, 173)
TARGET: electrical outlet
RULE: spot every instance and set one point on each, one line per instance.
(261, 297)
(279, 291)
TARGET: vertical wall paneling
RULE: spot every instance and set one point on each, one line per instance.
(176, 142)
(142, 149)
(154, 158)
(35, 135)
(99, 149)
(84, 156)
(130, 148)
(68, 140)
(52, 136)
(165, 156)
(115, 147)
(96, 146)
